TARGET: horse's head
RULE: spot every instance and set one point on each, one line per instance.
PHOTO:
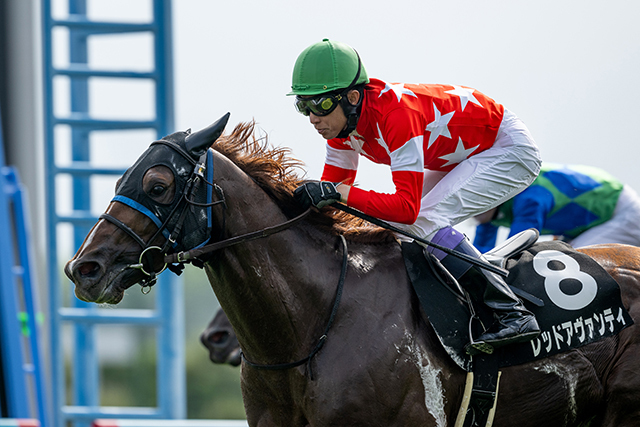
(221, 341)
(161, 205)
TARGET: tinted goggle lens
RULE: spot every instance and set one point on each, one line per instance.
(320, 106)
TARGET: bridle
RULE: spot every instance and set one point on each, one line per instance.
(155, 259)
(152, 258)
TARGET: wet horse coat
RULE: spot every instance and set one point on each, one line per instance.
(382, 364)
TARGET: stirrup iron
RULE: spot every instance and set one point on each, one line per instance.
(512, 246)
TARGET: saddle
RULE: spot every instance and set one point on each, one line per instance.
(512, 246)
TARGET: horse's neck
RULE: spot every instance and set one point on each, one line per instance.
(267, 287)
(271, 293)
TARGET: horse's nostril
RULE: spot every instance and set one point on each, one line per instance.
(88, 268)
(218, 337)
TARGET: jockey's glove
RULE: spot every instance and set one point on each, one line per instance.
(317, 193)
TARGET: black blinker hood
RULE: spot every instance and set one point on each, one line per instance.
(179, 152)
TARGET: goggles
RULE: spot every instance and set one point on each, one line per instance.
(319, 105)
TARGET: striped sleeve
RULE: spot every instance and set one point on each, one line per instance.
(343, 158)
(341, 165)
(400, 134)
(409, 157)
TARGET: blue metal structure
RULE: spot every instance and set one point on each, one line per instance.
(167, 317)
(19, 332)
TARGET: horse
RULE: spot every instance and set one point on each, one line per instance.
(220, 339)
(330, 328)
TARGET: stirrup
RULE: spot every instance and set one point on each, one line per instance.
(514, 245)
(489, 347)
(474, 348)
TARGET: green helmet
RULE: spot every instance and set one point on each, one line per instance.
(327, 66)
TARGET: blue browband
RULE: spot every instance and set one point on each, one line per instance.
(140, 208)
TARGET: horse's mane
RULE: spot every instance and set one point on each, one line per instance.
(275, 171)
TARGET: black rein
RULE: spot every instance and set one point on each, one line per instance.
(187, 256)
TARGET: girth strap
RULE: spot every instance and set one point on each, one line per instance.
(323, 338)
(481, 393)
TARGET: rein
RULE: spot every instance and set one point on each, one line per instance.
(477, 262)
(187, 256)
(154, 259)
(323, 338)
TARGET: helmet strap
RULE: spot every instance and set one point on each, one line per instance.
(352, 112)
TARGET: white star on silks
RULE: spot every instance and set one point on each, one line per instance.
(459, 155)
(439, 125)
(398, 89)
(355, 143)
(465, 95)
(381, 141)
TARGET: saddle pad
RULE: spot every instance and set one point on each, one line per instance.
(582, 302)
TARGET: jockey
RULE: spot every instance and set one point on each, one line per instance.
(582, 205)
(453, 151)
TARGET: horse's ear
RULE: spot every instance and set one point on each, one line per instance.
(198, 142)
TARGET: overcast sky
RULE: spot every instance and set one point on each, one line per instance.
(567, 68)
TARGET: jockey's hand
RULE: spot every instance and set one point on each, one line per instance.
(317, 193)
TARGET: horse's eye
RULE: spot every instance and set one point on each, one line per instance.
(157, 190)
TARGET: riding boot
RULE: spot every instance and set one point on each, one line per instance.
(513, 322)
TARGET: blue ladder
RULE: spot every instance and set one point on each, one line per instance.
(19, 331)
(168, 316)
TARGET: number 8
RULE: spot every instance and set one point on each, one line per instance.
(552, 279)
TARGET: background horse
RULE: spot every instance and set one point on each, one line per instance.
(220, 339)
(381, 363)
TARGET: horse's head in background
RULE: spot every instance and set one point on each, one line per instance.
(221, 341)
(162, 205)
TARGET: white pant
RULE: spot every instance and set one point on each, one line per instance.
(623, 227)
(479, 183)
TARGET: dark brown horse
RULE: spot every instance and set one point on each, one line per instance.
(221, 341)
(381, 364)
